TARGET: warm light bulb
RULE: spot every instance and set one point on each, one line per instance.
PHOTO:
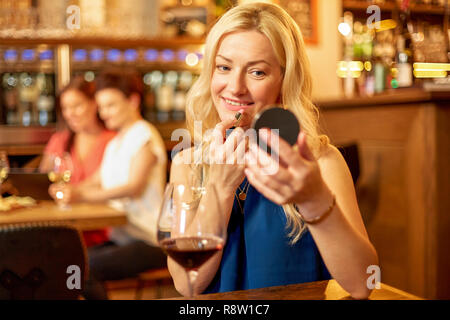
(344, 28)
(191, 59)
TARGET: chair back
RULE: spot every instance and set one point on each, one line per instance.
(41, 262)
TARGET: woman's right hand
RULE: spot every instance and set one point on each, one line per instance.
(227, 157)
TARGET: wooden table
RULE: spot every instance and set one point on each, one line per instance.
(80, 215)
(319, 290)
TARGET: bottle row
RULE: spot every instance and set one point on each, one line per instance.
(18, 58)
(28, 98)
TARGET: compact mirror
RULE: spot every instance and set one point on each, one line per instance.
(276, 117)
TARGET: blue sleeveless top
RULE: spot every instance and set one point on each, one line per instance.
(257, 253)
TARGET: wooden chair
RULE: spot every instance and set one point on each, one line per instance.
(41, 262)
(350, 152)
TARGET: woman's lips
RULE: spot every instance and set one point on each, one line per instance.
(238, 107)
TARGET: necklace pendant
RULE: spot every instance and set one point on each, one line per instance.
(242, 196)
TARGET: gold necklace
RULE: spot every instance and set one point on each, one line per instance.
(239, 204)
(242, 193)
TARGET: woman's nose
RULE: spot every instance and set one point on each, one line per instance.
(237, 84)
(68, 113)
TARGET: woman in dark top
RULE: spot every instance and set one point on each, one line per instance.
(295, 224)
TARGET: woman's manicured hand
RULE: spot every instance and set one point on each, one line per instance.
(227, 156)
(291, 177)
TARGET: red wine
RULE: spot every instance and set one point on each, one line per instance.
(191, 252)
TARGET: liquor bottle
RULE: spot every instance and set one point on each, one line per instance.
(10, 84)
(348, 79)
(379, 70)
(358, 55)
(165, 96)
(369, 84)
(28, 95)
(404, 49)
(184, 83)
(150, 86)
(152, 80)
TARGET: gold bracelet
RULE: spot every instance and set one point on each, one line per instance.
(321, 217)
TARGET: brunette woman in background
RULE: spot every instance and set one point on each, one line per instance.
(83, 136)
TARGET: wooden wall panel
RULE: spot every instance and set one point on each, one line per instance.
(400, 191)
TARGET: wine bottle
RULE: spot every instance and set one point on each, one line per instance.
(28, 95)
(10, 86)
(46, 101)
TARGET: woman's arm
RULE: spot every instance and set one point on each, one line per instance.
(46, 163)
(90, 190)
(341, 237)
(141, 166)
(226, 178)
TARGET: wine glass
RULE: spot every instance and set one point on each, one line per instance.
(60, 174)
(4, 169)
(191, 228)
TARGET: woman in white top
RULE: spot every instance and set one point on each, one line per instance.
(132, 177)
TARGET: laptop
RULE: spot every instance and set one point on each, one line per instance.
(33, 184)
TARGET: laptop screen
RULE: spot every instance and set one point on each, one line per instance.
(32, 184)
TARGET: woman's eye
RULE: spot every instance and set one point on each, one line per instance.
(258, 73)
(222, 68)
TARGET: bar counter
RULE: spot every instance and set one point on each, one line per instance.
(403, 141)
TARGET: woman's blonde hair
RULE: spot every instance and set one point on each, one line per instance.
(287, 42)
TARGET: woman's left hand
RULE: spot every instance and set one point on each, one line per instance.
(294, 177)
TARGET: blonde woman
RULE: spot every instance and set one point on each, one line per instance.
(300, 223)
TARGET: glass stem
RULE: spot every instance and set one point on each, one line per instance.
(191, 277)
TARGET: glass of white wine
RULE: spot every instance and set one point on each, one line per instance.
(60, 174)
(4, 169)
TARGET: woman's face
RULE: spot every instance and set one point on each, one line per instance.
(79, 112)
(246, 76)
(114, 108)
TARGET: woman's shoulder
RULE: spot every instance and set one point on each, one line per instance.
(57, 141)
(144, 128)
(330, 156)
(334, 169)
(61, 135)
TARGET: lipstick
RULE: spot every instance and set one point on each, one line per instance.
(238, 117)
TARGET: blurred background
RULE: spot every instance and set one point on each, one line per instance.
(380, 80)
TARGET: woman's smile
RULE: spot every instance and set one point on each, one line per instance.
(236, 105)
